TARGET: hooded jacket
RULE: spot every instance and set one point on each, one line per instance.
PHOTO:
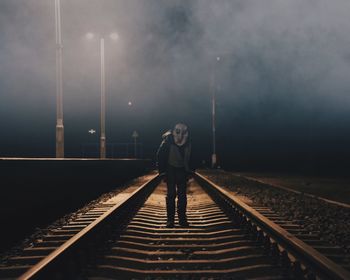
(164, 151)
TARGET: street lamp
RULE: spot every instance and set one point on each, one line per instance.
(213, 101)
(59, 105)
(114, 37)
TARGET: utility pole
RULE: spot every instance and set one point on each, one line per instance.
(213, 114)
(103, 102)
(114, 36)
(135, 135)
(59, 101)
(213, 103)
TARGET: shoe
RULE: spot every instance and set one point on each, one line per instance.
(170, 224)
(184, 223)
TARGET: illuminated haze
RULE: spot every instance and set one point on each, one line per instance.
(282, 82)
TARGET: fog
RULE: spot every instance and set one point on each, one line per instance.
(282, 81)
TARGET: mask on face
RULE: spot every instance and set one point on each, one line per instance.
(180, 134)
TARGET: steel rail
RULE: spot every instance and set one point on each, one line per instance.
(311, 258)
(44, 269)
(330, 201)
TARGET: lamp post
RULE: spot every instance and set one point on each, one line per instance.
(113, 36)
(103, 101)
(59, 103)
(213, 114)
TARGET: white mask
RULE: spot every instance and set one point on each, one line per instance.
(180, 134)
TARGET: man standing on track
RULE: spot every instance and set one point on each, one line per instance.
(173, 160)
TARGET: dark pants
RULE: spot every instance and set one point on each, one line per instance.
(176, 183)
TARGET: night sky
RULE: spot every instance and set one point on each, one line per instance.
(282, 82)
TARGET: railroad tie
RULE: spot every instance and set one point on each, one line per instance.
(212, 246)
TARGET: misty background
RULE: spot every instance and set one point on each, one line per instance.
(282, 82)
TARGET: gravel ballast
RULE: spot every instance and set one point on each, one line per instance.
(331, 222)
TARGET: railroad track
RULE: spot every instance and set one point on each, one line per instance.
(126, 238)
(324, 238)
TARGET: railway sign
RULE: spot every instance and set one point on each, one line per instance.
(135, 135)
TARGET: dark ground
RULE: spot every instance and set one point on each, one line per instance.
(34, 193)
(330, 187)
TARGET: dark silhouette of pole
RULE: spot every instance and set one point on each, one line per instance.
(213, 114)
(135, 135)
(59, 101)
(213, 103)
(114, 37)
(103, 102)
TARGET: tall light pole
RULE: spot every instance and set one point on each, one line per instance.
(113, 36)
(103, 101)
(213, 107)
(59, 103)
(213, 114)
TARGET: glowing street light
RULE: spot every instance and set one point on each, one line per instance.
(114, 37)
(90, 35)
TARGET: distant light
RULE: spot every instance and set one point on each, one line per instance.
(90, 35)
(114, 36)
(129, 103)
(92, 131)
(218, 58)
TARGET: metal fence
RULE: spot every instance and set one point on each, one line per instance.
(113, 150)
